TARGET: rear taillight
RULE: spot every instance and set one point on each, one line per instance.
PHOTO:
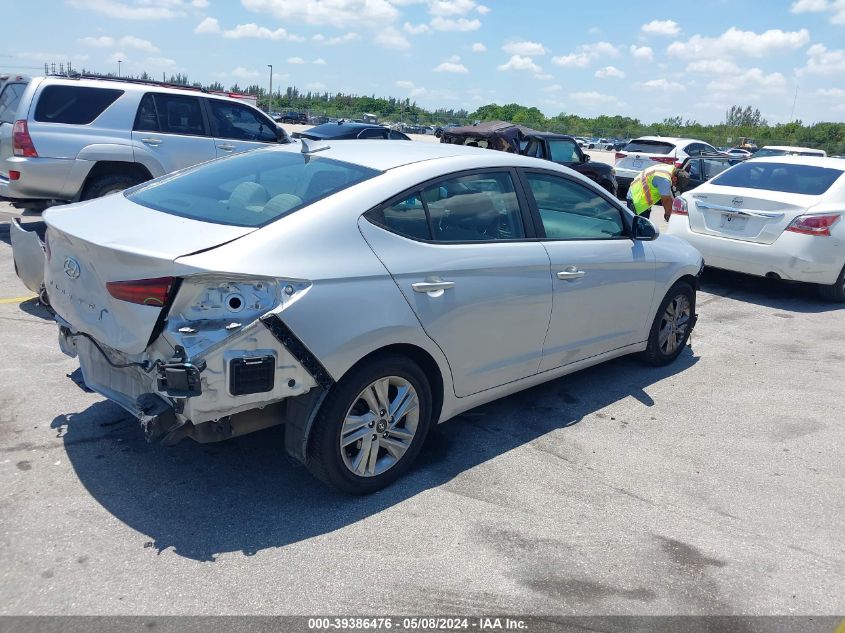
(145, 292)
(620, 155)
(813, 224)
(668, 160)
(22, 144)
(679, 207)
(14, 175)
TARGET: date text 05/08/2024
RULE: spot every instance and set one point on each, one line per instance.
(417, 624)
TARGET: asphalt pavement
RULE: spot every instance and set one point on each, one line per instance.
(712, 486)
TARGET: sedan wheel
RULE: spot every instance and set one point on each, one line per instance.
(372, 425)
(380, 426)
(672, 325)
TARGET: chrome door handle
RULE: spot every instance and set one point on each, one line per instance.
(433, 286)
(151, 141)
(570, 273)
(227, 148)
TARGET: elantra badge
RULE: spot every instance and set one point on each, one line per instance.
(71, 268)
(737, 202)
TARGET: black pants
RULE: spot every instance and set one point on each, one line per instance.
(646, 214)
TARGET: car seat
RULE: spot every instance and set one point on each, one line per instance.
(247, 196)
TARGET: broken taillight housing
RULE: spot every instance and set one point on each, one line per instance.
(813, 224)
(145, 292)
(679, 207)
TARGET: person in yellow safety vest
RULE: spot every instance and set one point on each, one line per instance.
(653, 185)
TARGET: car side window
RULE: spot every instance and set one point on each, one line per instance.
(178, 114)
(695, 169)
(238, 122)
(146, 120)
(564, 151)
(571, 211)
(406, 217)
(693, 149)
(373, 133)
(10, 98)
(397, 136)
(713, 167)
(474, 208)
(533, 149)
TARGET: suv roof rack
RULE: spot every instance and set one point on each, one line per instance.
(131, 80)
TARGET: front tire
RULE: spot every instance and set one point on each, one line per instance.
(371, 426)
(110, 183)
(671, 327)
(836, 291)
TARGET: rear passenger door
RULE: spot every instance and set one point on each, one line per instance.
(171, 130)
(239, 128)
(603, 280)
(460, 250)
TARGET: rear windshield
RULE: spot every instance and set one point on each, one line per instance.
(649, 147)
(250, 189)
(804, 179)
(766, 151)
(75, 105)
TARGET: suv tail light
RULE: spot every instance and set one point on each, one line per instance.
(668, 160)
(22, 144)
(145, 292)
(679, 207)
(813, 224)
(620, 155)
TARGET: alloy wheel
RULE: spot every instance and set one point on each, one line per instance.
(380, 426)
(674, 324)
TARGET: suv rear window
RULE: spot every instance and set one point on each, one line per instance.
(250, 189)
(803, 179)
(649, 147)
(75, 105)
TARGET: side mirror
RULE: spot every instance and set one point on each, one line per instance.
(585, 158)
(644, 230)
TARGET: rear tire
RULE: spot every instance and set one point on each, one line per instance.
(364, 437)
(671, 327)
(836, 291)
(110, 183)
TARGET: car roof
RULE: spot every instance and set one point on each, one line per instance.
(815, 161)
(383, 154)
(792, 148)
(669, 139)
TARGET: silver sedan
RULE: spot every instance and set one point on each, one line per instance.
(356, 292)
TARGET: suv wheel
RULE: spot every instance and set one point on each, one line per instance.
(110, 183)
(371, 426)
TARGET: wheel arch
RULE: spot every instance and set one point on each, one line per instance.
(111, 167)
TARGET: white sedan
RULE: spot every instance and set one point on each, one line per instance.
(777, 217)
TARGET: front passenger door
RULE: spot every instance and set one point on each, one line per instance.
(239, 128)
(603, 280)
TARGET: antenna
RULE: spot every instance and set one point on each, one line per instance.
(792, 114)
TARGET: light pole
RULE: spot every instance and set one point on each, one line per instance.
(270, 99)
(118, 67)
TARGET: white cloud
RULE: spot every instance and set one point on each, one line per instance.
(391, 37)
(518, 62)
(128, 41)
(642, 52)
(524, 48)
(664, 85)
(834, 93)
(552, 88)
(823, 61)
(592, 98)
(295, 60)
(416, 29)
(740, 42)
(544, 76)
(412, 89)
(478, 47)
(253, 31)
(137, 9)
(451, 66)
(610, 72)
(451, 7)
(159, 63)
(338, 13)
(335, 41)
(600, 49)
(209, 26)
(482, 9)
(100, 42)
(243, 73)
(118, 57)
(835, 7)
(713, 67)
(573, 60)
(751, 79)
(440, 23)
(319, 61)
(661, 27)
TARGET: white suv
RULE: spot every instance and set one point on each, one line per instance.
(81, 138)
(641, 153)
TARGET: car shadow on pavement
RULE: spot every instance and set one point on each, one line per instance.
(245, 495)
(771, 293)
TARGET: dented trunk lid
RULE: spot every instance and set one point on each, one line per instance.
(112, 239)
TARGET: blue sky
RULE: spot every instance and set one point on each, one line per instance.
(648, 60)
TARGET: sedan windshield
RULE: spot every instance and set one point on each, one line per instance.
(250, 189)
(803, 179)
